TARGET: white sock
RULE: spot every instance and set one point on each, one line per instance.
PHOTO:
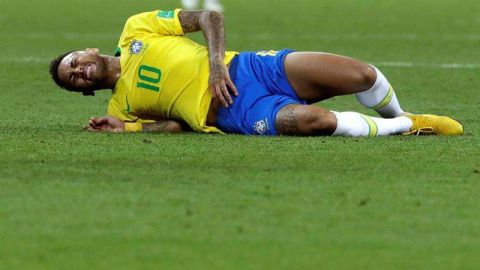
(353, 124)
(190, 4)
(381, 97)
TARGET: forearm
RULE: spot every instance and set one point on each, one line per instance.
(167, 126)
(211, 24)
(170, 126)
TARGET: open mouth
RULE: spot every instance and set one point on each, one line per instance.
(89, 71)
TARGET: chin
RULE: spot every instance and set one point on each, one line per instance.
(100, 72)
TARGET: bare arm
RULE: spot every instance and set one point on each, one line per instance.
(112, 124)
(169, 126)
(212, 27)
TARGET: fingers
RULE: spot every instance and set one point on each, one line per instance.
(102, 121)
(232, 87)
(94, 121)
(221, 84)
(219, 95)
(91, 122)
(90, 129)
(225, 93)
(221, 91)
(97, 124)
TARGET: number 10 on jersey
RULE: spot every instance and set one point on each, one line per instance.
(148, 77)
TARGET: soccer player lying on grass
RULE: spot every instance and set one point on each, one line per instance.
(161, 80)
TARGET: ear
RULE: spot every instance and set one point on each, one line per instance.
(92, 50)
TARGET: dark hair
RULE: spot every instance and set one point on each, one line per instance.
(54, 74)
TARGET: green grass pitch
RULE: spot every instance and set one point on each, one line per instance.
(76, 200)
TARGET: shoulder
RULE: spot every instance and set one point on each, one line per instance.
(117, 104)
(163, 22)
(114, 106)
(155, 14)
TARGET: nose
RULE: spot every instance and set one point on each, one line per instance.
(78, 71)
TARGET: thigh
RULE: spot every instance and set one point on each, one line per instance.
(317, 76)
(268, 69)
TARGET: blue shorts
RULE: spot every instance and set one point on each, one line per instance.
(263, 90)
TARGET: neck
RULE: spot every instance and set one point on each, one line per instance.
(113, 71)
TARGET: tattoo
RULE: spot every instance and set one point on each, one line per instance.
(287, 121)
(189, 20)
(211, 24)
(163, 126)
(216, 69)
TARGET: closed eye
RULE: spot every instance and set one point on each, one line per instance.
(73, 64)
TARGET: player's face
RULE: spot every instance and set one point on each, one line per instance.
(83, 70)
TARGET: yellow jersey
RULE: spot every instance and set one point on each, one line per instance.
(163, 74)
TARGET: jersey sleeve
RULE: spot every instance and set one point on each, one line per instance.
(115, 110)
(160, 22)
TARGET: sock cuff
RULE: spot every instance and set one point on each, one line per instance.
(388, 97)
(379, 95)
(372, 126)
(379, 80)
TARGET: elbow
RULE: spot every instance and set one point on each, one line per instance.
(217, 16)
(212, 16)
(175, 127)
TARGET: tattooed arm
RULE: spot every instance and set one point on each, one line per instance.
(169, 126)
(211, 24)
(112, 124)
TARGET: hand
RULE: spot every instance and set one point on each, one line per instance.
(106, 123)
(220, 82)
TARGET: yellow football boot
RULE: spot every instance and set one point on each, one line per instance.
(429, 124)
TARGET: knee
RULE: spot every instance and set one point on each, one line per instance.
(365, 76)
(320, 123)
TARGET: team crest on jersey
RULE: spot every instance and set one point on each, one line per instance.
(136, 47)
(261, 126)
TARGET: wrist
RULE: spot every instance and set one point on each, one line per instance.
(133, 127)
(216, 59)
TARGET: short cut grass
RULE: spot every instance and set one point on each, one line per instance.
(82, 200)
